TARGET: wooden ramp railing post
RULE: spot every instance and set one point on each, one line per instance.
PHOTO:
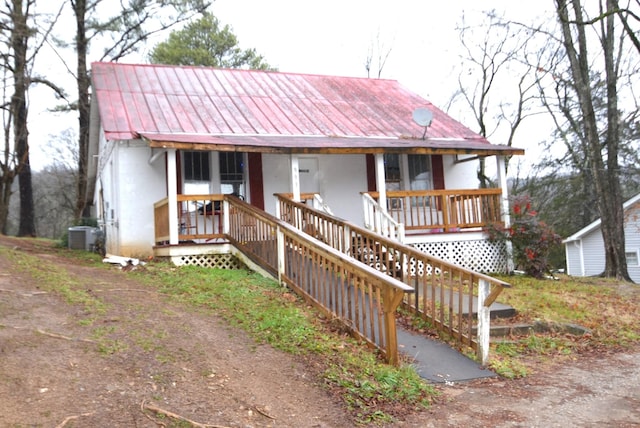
(281, 252)
(392, 299)
(484, 321)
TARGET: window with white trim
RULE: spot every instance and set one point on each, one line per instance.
(632, 258)
(197, 172)
(232, 173)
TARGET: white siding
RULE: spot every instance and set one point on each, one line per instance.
(574, 258)
(341, 178)
(632, 238)
(592, 249)
(592, 252)
(463, 175)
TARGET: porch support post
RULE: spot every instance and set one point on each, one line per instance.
(381, 182)
(172, 196)
(484, 322)
(506, 218)
(295, 178)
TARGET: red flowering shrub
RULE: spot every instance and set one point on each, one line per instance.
(532, 240)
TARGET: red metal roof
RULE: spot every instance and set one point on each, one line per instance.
(263, 110)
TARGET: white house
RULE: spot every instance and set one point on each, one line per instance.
(168, 141)
(585, 248)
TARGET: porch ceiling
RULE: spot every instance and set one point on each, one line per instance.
(326, 144)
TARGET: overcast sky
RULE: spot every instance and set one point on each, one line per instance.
(335, 37)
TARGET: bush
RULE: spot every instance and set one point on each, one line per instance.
(532, 240)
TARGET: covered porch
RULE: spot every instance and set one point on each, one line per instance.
(408, 215)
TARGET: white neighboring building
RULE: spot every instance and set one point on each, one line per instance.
(585, 249)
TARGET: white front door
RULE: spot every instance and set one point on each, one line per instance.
(309, 175)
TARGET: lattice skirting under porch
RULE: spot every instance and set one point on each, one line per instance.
(216, 261)
(477, 255)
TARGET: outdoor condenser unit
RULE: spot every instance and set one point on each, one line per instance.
(82, 237)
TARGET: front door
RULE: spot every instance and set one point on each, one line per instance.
(309, 175)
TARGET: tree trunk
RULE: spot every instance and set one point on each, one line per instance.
(605, 177)
(616, 260)
(6, 181)
(19, 39)
(84, 109)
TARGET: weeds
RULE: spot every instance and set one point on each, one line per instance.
(54, 279)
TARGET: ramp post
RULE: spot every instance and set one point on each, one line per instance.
(484, 321)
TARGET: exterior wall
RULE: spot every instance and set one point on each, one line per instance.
(592, 253)
(573, 251)
(131, 187)
(593, 249)
(105, 195)
(632, 240)
(463, 175)
(340, 180)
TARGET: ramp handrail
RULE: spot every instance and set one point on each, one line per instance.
(443, 293)
(379, 221)
(362, 298)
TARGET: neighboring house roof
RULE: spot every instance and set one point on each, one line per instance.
(209, 108)
(596, 224)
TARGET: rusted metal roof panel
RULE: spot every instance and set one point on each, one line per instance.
(249, 107)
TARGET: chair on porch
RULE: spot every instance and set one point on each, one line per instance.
(213, 209)
(187, 225)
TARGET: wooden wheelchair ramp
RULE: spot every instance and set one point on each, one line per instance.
(365, 298)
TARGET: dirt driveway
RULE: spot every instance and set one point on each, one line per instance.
(145, 356)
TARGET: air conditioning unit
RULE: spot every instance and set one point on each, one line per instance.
(82, 237)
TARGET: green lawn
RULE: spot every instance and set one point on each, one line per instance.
(607, 308)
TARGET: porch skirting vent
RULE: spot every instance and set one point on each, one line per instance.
(476, 255)
(215, 261)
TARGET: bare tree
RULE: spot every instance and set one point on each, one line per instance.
(55, 186)
(382, 55)
(490, 69)
(19, 46)
(127, 29)
(22, 39)
(580, 69)
(8, 163)
(601, 143)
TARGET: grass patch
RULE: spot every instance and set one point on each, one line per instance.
(374, 391)
(607, 308)
(55, 279)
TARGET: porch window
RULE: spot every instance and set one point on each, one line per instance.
(420, 172)
(232, 169)
(197, 172)
(412, 172)
(393, 178)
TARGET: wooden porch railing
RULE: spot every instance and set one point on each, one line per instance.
(199, 218)
(362, 298)
(447, 210)
(445, 295)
